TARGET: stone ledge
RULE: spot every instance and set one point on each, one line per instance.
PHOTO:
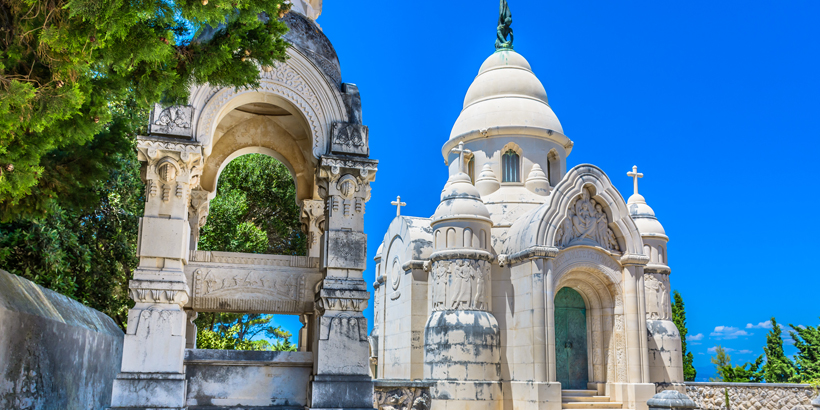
(388, 383)
(210, 357)
(762, 385)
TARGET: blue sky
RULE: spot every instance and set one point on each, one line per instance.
(716, 102)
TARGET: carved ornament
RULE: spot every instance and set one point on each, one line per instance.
(586, 223)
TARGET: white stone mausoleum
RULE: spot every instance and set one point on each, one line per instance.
(531, 286)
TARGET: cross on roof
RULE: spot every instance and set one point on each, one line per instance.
(635, 175)
(398, 204)
(462, 152)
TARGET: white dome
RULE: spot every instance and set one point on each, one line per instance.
(644, 217)
(460, 200)
(505, 94)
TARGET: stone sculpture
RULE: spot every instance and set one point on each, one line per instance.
(586, 223)
(504, 29)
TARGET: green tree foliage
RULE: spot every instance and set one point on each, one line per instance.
(746, 373)
(679, 318)
(85, 248)
(807, 359)
(778, 368)
(68, 66)
(231, 331)
(254, 210)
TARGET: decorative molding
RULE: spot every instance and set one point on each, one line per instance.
(175, 120)
(449, 254)
(254, 259)
(252, 290)
(634, 259)
(533, 252)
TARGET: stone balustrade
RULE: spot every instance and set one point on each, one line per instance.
(747, 396)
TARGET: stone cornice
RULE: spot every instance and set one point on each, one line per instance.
(657, 268)
(461, 254)
(634, 259)
(533, 252)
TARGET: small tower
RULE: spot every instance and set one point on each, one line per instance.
(461, 338)
(665, 358)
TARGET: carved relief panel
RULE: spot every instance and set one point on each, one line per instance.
(253, 287)
(461, 284)
(586, 224)
(656, 287)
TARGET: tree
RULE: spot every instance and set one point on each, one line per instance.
(254, 210)
(68, 66)
(778, 368)
(231, 331)
(679, 318)
(735, 374)
(807, 359)
(85, 248)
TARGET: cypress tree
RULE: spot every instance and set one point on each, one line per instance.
(679, 318)
(807, 359)
(778, 368)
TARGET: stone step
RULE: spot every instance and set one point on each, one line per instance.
(566, 399)
(592, 405)
(579, 392)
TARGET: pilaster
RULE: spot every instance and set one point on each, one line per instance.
(152, 373)
(341, 349)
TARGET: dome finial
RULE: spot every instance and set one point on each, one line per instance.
(504, 29)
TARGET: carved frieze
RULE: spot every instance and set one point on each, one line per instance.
(258, 289)
(586, 224)
(461, 284)
(349, 139)
(402, 398)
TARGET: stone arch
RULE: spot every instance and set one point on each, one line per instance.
(590, 177)
(595, 280)
(307, 102)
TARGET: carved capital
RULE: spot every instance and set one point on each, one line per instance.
(331, 167)
(144, 291)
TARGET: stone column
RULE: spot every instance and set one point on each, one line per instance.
(633, 327)
(549, 290)
(539, 320)
(341, 361)
(152, 374)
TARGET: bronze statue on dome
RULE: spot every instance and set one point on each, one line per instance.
(504, 29)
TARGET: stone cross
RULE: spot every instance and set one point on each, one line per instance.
(398, 204)
(462, 152)
(635, 175)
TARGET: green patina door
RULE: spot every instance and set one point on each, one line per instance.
(571, 339)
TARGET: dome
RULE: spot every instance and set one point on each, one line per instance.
(644, 217)
(506, 94)
(460, 200)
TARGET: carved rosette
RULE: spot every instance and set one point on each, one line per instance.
(461, 284)
(586, 223)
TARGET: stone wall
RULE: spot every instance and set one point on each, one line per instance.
(401, 395)
(757, 396)
(55, 353)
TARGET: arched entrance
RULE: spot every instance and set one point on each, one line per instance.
(571, 339)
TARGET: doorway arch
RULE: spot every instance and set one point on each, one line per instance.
(572, 365)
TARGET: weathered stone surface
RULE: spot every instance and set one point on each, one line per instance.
(247, 378)
(748, 396)
(402, 395)
(670, 399)
(55, 353)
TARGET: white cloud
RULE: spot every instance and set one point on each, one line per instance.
(695, 343)
(728, 332)
(700, 353)
(762, 325)
(698, 336)
(744, 351)
(725, 349)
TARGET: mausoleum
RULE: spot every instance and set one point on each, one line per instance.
(531, 286)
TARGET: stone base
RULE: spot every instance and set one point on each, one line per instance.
(467, 395)
(632, 395)
(533, 395)
(348, 392)
(148, 391)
